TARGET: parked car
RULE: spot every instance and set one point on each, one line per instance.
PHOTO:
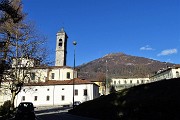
(76, 103)
(25, 111)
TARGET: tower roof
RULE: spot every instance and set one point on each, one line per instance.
(61, 31)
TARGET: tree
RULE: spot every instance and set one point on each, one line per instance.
(21, 44)
(112, 89)
(9, 11)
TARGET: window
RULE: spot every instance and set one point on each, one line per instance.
(137, 81)
(76, 92)
(114, 82)
(47, 98)
(48, 89)
(85, 92)
(62, 97)
(142, 81)
(36, 89)
(62, 88)
(23, 98)
(130, 81)
(32, 76)
(52, 75)
(68, 75)
(60, 42)
(119, 82)
(35, 98)
(177, 74)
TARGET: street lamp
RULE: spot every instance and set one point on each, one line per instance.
(74, 43)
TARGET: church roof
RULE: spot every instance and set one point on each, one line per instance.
(77, 81)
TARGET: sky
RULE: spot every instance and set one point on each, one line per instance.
(144, 28)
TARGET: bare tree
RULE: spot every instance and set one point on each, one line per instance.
(22, 45)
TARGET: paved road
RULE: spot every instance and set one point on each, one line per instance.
(58, 114)
(61, 116)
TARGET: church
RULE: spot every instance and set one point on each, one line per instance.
(55, 85)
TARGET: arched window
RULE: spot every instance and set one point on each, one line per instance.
(177, 74)
(60, 42)
(68, 75)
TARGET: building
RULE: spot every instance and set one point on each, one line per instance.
(58, 93)
(168, 73)
(121, 83)
(51, 85)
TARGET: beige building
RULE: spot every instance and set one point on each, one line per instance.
(168, 73)
(122, 83)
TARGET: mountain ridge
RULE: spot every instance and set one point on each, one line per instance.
(120, 65)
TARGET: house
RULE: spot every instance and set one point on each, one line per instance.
(168, 73)
(121, 83)
(58, 93)
(102, 88)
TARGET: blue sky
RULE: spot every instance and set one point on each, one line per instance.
(145, 28)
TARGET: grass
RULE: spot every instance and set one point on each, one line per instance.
(154, 101)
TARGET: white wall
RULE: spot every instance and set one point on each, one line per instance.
(61, 73)
(56, 92)
(121, 83)
(166, 74)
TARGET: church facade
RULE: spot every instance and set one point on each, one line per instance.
(54, 85)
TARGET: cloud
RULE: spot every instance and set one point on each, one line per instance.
(168, 52)
(147, 47)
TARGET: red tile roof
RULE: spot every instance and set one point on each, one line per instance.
(77, 81)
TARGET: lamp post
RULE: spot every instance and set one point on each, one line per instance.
(74, 43)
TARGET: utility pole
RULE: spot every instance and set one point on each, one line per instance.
(106, 79)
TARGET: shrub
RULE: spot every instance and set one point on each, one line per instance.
(4, 109)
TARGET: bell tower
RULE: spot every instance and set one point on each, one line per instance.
(61, 48)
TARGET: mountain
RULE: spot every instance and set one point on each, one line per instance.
(120, 65)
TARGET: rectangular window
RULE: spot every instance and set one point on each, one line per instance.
(62, 97)
(142, 81)
(85, 92)
(23, 98)
(130, 81)
(47, 98)
(35, 98)
(32, 76)
(76, 92)
(68, 75)
(137, 81)
(52, 75)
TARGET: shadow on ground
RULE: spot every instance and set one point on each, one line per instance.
(154, 101)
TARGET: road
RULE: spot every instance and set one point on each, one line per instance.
(58, 114)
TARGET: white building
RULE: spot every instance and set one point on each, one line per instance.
(169, 73)
(121, 83)
(51, 85)
(53, 93)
